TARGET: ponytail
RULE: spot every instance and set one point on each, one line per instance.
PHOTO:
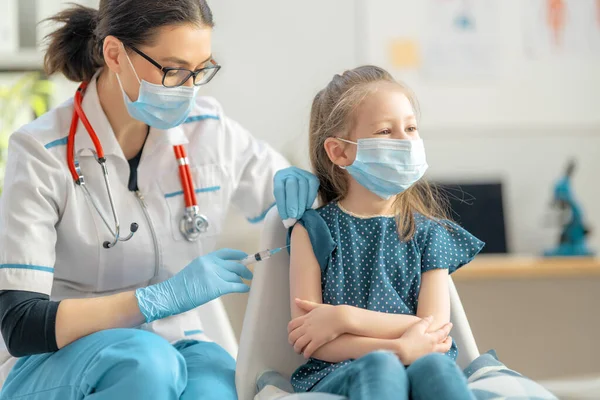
(73, 49)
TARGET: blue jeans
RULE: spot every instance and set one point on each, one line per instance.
(124, 364)
(380, 375)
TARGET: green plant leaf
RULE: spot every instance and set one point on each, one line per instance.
(38, 104)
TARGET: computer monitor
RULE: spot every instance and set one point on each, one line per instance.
(478, 207)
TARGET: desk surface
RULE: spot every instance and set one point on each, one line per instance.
(520, 267)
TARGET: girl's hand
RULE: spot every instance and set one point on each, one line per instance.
(417, 342)
(322, 324)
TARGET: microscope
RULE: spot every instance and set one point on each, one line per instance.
(572, 238)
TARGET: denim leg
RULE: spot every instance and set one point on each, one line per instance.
(378, 375)
(436, 376)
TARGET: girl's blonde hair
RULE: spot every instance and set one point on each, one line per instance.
(332, 116)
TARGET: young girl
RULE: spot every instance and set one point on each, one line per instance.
(369, 269)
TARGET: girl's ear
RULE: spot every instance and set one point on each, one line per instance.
(339, 152)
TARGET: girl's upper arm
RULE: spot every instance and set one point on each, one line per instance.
(434, 297)
(305, 272)
(445, 247)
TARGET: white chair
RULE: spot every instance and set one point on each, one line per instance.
(264, 341)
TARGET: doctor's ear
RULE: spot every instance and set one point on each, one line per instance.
(340, 153)
(113, 49)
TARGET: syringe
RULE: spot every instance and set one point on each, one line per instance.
(261, 255)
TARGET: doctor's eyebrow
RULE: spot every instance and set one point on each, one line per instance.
(177, 60)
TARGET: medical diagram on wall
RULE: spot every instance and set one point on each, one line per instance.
(461, 40)
(562, 28)
(437, 39)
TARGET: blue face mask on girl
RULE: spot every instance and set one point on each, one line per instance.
(388, 167)
(158, 106)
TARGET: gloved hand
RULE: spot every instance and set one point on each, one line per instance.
(295, 192)
(204, 279)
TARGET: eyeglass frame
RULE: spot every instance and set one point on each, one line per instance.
(166, 70)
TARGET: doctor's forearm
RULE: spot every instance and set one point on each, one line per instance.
(77, 318)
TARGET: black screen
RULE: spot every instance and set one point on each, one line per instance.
(479, 209)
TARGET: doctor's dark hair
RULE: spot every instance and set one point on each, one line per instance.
(75, 49)
(332, 115)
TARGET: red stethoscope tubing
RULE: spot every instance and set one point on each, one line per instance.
(185, 174)
(77, 115)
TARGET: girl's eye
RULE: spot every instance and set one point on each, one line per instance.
(411, 129)
(385, 132)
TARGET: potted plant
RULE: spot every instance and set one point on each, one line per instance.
(26, 98)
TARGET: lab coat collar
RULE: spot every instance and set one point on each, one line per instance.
(170, 137)
(93, 110)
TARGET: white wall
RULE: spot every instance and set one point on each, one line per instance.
(520, 83)
(276, 55)
(521, 122)
(521, 125)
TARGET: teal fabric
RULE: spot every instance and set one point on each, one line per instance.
(380, 375)
(320, 236)
(365, 264)
(124, 364)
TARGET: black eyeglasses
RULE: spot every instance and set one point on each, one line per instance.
(174, 77)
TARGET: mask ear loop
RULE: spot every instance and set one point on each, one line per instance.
(132, 67)
(131, 64)
(347, 141)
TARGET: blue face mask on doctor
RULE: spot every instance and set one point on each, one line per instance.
(159, 106)
(388, 167)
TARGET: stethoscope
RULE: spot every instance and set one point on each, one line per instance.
(192, 224)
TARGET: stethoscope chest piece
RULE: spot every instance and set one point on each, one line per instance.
(193, 224)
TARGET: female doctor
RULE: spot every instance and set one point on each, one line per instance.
(111, 208)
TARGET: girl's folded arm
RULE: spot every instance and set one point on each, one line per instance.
(305, 283)
(347, 347)
(375, 324)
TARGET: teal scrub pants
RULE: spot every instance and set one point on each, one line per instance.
(124, 364)
(380, 375)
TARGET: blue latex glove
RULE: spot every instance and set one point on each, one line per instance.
(204, 279)
(295, 192)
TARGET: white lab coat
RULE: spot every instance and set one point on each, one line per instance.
(51, 238)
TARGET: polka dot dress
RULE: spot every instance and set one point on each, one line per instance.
(364, 264)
